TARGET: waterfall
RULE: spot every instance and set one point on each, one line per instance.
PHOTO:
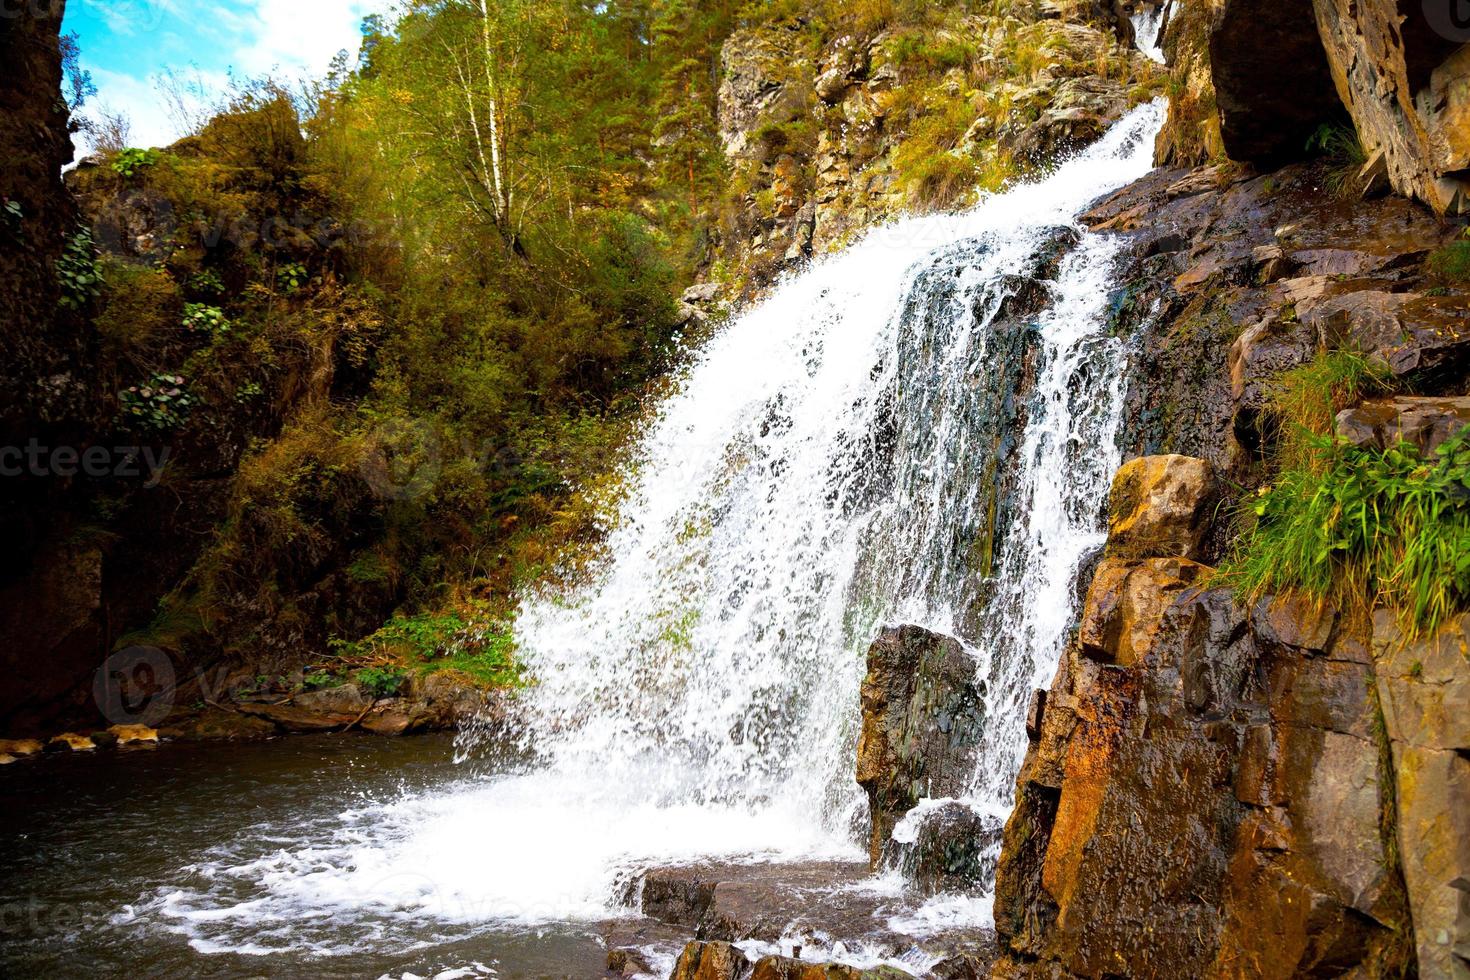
(922, 429)
(1148, 29)
(830, 462)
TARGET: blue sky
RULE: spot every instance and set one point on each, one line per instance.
(127, 43)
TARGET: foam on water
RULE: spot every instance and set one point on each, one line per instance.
(823, 468)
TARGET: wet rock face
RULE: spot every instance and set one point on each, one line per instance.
(1402, 72)
(721, 961)
(955, 850)
(1424, 688)
(923, 715)
(434, 703)
(1232, 280)
(1081, 111)
(46, 353)
(1203, 795)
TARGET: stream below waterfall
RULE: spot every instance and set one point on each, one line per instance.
(831, 461)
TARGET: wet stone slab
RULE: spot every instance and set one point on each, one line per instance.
(795, 906)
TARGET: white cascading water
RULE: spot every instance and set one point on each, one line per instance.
(827, 464)
(1148, 29)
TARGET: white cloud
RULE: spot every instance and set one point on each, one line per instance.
(292, 37)
(301, 35)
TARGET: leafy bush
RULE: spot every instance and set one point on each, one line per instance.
(79, 271)
(207, 281)
(14, 216)
(291, 277)
(201, 318)
(381, 682)
(468, 641)
(130, 161)
(160, 404)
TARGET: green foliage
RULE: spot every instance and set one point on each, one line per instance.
(79, 271)
(14, 216)
(1307, 400)
(160, 404)
(381, 682)
(207, 282)
(1366, 525)
(248, 392)
(466, 640)
(934, 54)
(291, 277)
(201, 318)
(133, 160)
(320, 680)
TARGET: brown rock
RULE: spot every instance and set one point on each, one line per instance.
(1423, 422)
(20, 747)
(70, 742)
(923, 715)
(627, 963)
(1415, 335)
(1424, 688)
(1216, 810)
(711, 961)
(134, 735)
(1126, 605)
(1402, 81)
(314, 711)
(1160, 507)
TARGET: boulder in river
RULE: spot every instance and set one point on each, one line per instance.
(923, 716)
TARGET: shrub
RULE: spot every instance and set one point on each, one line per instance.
(291, 277)
(132, 160)
(160, 404)
(201, 318)
(207, 281)
(381, 682)
(467, 640)
(79, 271)
(142, 303)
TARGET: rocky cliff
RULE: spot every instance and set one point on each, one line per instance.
(829, 133)
(1254, 80)
(1231, 784)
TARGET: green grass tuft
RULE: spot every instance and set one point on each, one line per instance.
(1365, 528)
(1451, 264)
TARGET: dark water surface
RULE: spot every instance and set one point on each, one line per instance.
(93, 847)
